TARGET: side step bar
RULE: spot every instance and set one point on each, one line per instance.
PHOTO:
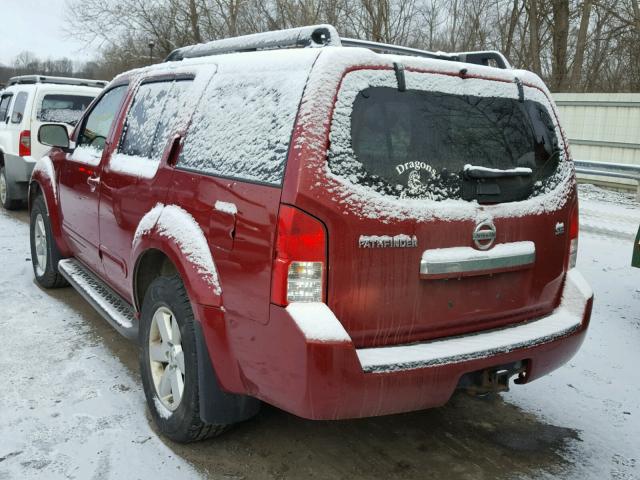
(115, 309)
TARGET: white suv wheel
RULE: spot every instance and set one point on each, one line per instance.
(40, 242)
(3, 187)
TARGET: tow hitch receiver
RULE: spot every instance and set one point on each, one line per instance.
(491, 380)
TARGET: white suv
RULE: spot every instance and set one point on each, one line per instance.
(26, 103)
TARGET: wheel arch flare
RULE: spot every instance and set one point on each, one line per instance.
(168, 237)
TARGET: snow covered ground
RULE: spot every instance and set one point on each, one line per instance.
(608, 212)
(69, 408)
(71, 405)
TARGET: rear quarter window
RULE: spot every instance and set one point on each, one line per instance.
(243, 125)
(4, 106)
(19, 107)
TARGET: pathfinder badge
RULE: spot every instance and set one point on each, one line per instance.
(385, 241)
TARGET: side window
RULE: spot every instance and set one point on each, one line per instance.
(4, 107)
(97, 125)
(168, 124)
(142, 119)
(150, 123)
(18, 107)
(243, 124)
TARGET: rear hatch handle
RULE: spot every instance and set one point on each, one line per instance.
(458, 262)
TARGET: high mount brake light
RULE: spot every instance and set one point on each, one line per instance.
(24, 145)
(299, 266)
(574, 229)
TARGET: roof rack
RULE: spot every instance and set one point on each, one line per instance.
(312, 36)
(483, 57)
(31, 79)
(324, 36)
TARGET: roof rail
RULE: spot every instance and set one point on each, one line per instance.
(312, 36)
(31, 79)
(484, 57)
(395, 49)
(477, 58)
(324, 36)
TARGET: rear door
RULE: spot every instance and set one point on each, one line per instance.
(442, 175)
(136, 176)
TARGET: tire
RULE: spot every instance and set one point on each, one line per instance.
(6, 198)
(44, 251)
(167, 303)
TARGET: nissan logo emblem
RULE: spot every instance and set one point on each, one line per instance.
(484, 235)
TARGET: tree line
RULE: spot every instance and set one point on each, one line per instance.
(27, 63)
(580, 46)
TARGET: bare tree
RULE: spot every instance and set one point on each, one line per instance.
(573, 44)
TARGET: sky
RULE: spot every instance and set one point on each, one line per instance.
(38, 26)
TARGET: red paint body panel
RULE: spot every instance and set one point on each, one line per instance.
(79, 206)
(48, 189)
(124, 200)
(324, 380)
(377, 294)
(245, 255)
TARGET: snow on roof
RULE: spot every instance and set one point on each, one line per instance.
(333, 61)
(264, 40)
(245, 62)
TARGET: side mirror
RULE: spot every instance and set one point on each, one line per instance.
(53, 135)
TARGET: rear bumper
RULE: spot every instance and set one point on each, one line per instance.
(306, 363)
(18, 169)
(18, 172)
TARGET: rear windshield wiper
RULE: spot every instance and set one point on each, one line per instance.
(473, 171)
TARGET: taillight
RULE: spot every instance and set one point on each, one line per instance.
(299, 266)
(574, 229)
(24, 147)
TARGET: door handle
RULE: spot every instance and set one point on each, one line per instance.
(174, 150)
(93, 182)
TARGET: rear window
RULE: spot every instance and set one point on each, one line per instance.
(63, 108)
(433, 145)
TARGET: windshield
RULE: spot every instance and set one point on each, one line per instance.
(427, 144)
(63, 108)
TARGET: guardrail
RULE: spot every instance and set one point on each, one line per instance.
(612, 170)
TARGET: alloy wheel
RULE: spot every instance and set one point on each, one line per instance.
(3, 188)
(166, 358)
(40, 242)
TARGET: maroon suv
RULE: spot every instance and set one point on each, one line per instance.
(293, 218)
